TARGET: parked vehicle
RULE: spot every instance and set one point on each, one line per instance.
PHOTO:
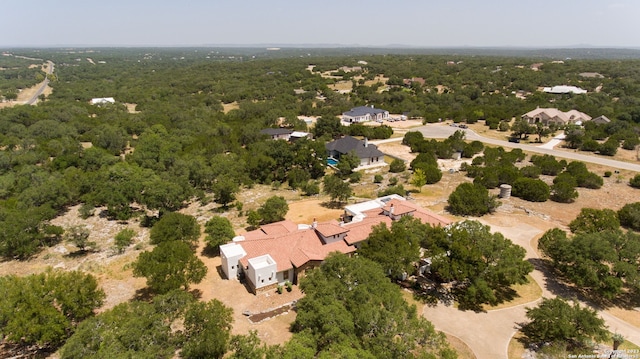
(514, 139)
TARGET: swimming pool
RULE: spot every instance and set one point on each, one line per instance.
(332, 161)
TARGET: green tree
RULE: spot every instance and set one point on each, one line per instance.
(219, 231)
(397, 166)
(419, 179)
(472, 200)
(592, 220)
(175, 226)
(629, 216)
(130, 330)
(599, 262)
(635, 181)
(351, 307)
(563, 189)
(224, 191)
(336, 188)
(123, 239)
(481, 265)
(530, 189)
(207, 328)
(556, 321)
(521, 128)
(397, 248)
(44, 308)
(171, 265)
(273, 210)
(79, 236)
(348, 162)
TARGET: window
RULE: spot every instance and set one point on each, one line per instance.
(233, 267)
(285, 275)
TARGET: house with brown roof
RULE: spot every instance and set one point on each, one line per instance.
(547, 116)
(283, 251)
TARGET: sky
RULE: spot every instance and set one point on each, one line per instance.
(419, 23)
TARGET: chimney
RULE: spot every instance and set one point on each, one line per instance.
(391, 210)
(366, 142)
(314, 224)
(371, 106)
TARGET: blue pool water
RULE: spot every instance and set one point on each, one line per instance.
(332, 161)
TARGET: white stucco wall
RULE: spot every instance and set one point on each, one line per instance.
(262, 271)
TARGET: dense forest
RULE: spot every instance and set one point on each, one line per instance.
(186, 127)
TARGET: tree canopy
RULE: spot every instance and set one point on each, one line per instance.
(45, 308)
(170, 265)
(557, 322)
(480, 265)
(351, 308)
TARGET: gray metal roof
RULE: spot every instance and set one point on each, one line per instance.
(363, 110)
(348, 144)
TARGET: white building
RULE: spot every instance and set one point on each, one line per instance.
(231, 253)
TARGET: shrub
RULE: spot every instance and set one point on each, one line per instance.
(635, 181)
(393, 181)
(530, 189)
(377, 178)
(397, 166)
(629, 216)
(311, 188)
(86, 210)
(472, 200)
(607, 174)
(123, 239)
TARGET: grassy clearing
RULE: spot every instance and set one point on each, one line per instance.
(526, 293)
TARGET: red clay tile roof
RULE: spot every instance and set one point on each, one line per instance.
(360, 231)
(400, 207)
(292, 249)
(328, 229)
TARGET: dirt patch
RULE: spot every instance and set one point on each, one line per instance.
(259, 317)
(226, 107)
(131, 107)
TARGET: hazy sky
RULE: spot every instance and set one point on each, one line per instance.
(430, 23)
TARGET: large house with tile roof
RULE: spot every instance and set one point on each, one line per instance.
(547, 116)
(281, 252)
(365, 114)
(368, 154)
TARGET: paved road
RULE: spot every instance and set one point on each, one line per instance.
(444, 131)
(43, 85)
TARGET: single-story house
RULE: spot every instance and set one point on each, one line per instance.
(368, 154)
(365, 114)
(102, 100)
(285, 134)
(552, 115)
(281, 252)
(277, 133)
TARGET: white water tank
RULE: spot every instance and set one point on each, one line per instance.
(505, 191)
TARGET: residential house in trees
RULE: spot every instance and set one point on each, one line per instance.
(365, 114)
(601, 120)
(368, 154)
(547, 116)
(277, 133)
(283, 251)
